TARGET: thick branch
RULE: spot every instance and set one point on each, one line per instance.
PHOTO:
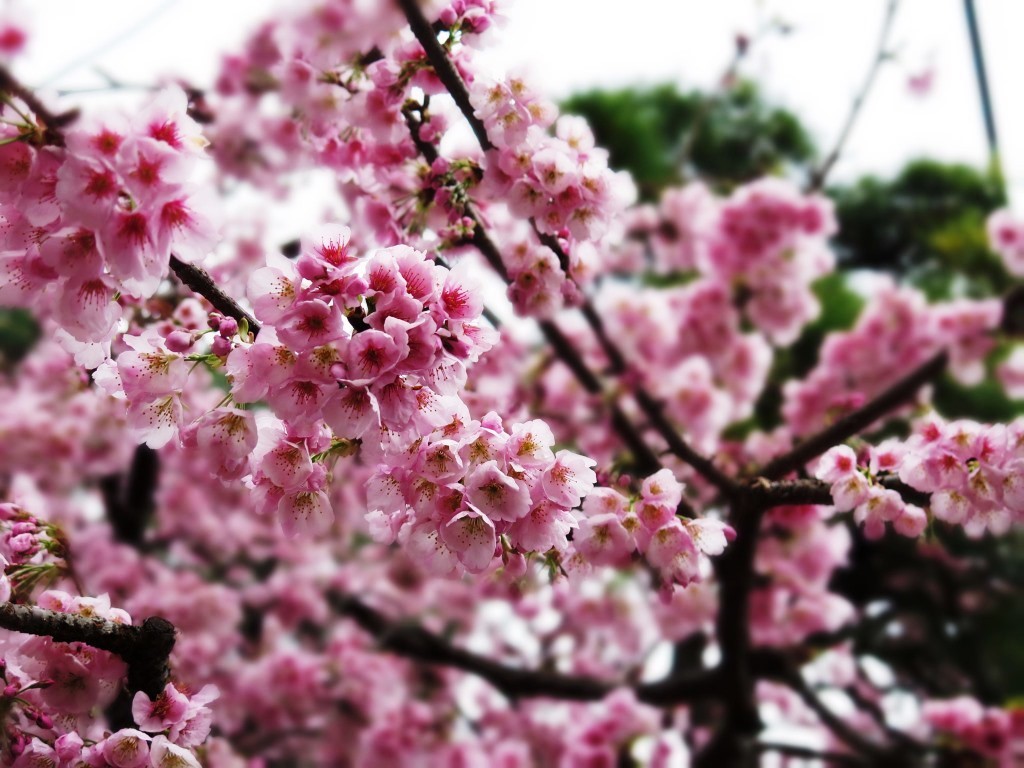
(443, 66)
(860, 419)
(130, 499)
(145, 648)
(416, 643)
(199, 280)
(783, 493)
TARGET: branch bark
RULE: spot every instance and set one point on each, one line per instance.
(416, 643)
(860, 419)
(444, 68)
(144, 648)
(199, 280)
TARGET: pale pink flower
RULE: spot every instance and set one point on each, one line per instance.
(569, 479)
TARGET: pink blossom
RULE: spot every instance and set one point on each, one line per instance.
(471, 537)
(569, 479)
(127, 748)
(495, 494)
(155, 715)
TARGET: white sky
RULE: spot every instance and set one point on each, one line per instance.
(565, 45)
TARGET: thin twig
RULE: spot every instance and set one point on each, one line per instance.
(199, 280)
(847, 733)
(50, 122)
(820, 174)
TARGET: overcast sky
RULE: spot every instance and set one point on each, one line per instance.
(565, 45)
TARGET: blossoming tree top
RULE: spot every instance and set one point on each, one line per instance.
(371, 524)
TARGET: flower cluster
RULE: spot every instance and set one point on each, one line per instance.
(128, 747)
(771, 238)
(466, 490)
(766, 244)
(86, 224)
(1006, 236)
(799, 553)
(613, 528)
(897, 331)
(973, 472)
(990, 731)
(561, 183)
(32, 552)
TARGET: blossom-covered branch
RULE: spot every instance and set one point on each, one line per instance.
(854, 422)
(415, 642)
(145, 648)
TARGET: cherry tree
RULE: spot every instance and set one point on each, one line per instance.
(471, 472)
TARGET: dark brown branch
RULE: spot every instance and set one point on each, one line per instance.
(50, 123)
(444, 68)
(874, 710)
(880, 755)
(781, 493)
(734, 736)
(828, 758)
(820, 174)
(130, 498)
(416, 643)
(860, 419)
(682, 449)
(145, 648)
(199, 280)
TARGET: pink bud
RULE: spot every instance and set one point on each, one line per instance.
(221, 346)
(179, 341)
(228, 327)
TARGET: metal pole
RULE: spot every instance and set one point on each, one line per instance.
(983, 91)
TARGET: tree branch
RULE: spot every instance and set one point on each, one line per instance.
(652, 410)
(130, 498)
(830, 719)
(416, 643)
(820, 174)
(852, 423)
(51, 123)
(199, 280)
(145, 648)
(828, 758)
(444, 68)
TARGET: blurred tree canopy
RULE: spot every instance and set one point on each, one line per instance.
(664, 136)
(926, 226)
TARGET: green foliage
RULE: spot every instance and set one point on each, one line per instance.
(659, 133)
(18, 333)
(926, 224)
